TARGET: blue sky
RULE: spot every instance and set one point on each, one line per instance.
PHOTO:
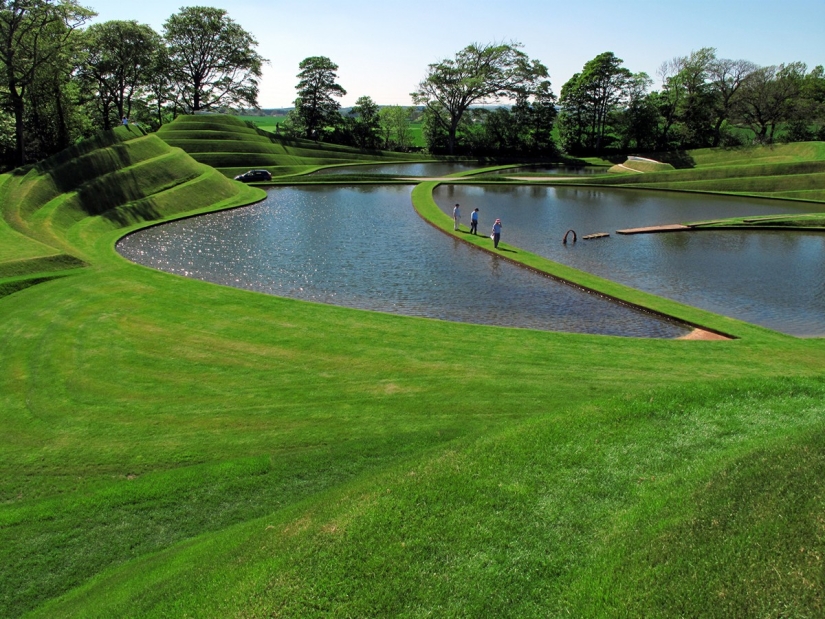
(383, 48)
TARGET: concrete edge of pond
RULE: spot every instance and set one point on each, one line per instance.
(707, 325)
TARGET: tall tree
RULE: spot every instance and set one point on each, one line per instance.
(53, 119)
(214, 59)
(315, 107)
(394, 127)
(33, 35)
(768, 98)
(162, 96)
(687, 99)
(589, 99)
(365, 122)
(478, 74)
(119, 63)
(727, 78)
(637, 123)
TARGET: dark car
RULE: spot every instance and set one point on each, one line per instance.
(253, 176)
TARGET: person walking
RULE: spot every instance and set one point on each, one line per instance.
(496, 232)
(474, 222)
(456, 216)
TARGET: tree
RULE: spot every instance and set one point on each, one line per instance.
(524, 129)
(768, 97)
(213, 59)
(119, 64)
(727, 78)
(315, 107)
(161, 95)
(687, 99)
(637, 124)
(54, 119)
(589, 99)
(394, 127)
(33, 36)
(478, 74)
(365, 122)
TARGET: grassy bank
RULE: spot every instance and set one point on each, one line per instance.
(784, 171)
(232, 146)
(177, 448)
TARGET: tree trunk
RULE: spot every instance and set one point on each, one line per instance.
(18, 107)
(62, 125)
(717, 132)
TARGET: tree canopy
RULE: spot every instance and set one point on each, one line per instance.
(589, 100)
(119, 64)
(213, 59)
(35, 38)
(478, 74)
(316, 107)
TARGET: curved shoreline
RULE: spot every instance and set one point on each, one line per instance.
(707, 326)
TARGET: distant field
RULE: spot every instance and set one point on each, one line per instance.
(267, 123)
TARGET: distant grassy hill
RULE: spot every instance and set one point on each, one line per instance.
(233, 146)
(788, 171)
(115, 180)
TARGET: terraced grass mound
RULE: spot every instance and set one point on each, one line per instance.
(745, 155)
(117, 179)
(776, 172)
(232, 146)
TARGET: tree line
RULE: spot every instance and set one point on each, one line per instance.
(703, 101)
(61, 80)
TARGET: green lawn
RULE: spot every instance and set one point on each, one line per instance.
(176, 448)
(267, 123)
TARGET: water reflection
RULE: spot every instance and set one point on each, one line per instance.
(554, 170)
(403, 169)
(365, 247)
(774, 279)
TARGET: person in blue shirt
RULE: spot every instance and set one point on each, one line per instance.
(496, 232)
(474, 222)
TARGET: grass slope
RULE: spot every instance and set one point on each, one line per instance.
(176, 448)
(786, 171)
(233, 146)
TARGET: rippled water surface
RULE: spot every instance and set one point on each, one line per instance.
(775, 279)
(365, 247)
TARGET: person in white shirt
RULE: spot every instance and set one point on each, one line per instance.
(456, 216)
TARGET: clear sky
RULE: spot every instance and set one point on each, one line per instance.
(383, 48)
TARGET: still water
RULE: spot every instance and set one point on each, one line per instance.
(404, 169)
(365, 247)
(556, 170)
(774, 279)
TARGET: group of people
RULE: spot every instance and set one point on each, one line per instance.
(496, 232)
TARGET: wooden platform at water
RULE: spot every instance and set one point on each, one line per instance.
(597, 235)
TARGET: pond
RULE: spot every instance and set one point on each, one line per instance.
(365, 247)
(432, 169)
(774, 279)
(554, 170)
